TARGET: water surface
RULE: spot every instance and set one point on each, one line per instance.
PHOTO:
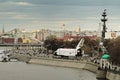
(23, 71)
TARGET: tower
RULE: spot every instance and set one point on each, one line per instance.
(3, 31)
(104, 24)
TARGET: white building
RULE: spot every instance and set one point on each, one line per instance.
(112, 34)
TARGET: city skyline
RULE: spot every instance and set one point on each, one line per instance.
(52, 14)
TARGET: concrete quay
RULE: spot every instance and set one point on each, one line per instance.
(66, 63)
(76, 64)
(112, 75)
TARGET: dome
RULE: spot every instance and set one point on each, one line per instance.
(105, 56)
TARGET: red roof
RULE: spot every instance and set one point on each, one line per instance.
(65, 38)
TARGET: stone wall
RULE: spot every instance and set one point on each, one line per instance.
(113, 75)
(91, 67)
(66, 63)
(60, 63)
(75, 64)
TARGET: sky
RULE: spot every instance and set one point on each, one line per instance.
(52, 14)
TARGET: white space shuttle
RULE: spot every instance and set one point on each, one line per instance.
(71, 52)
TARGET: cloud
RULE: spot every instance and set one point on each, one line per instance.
(92, 18)
(24, 3)
(114, 17)
(20, 16)
(17, 3)
(15, 16)
(6, 13)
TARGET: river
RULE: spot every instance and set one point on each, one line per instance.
(23, 71)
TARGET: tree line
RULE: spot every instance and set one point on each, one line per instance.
(52, 43)
(112, 46)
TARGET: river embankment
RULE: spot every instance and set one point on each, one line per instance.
(74, 64)
(66, 63)
(112, 75)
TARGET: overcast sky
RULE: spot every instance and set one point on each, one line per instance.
(51, 14)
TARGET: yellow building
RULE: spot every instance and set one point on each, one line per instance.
(26, 40)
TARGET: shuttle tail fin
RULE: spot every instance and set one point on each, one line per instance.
(80, 44)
